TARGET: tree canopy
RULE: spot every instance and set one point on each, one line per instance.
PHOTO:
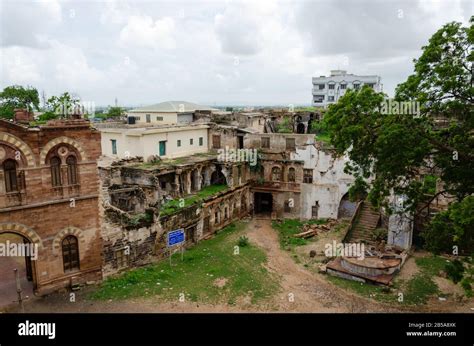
(16, 96)
(60, 106)
(115, 112)
(396, 147)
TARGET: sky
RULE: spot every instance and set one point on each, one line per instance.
(219, 52)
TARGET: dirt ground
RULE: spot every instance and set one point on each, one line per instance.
(301, 291)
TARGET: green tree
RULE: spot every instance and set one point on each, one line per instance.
(453, 227)
(115, 112)
(393, 147)
(60, 106)
(16, 96)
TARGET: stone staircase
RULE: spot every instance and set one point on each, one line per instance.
(365, 223)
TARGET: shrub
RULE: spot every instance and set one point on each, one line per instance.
(454, 270)
(454, 226)
(466, 284)
(243, 241)
(379, 234)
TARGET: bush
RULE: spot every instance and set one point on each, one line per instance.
(466, 284)
(379, 234)
(454, 226)
(243, 241)
(429, 184)
(454, 270)
(285, 126)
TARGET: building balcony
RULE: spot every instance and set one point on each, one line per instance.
(279, 185)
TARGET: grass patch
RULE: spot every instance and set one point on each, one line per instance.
(211, 190)
(323, 137)
(287, 228)
(175, 205)
(244, 274)
(379, 293)
(421, 286)
(415, 291)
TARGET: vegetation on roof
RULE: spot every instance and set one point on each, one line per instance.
(176, 204)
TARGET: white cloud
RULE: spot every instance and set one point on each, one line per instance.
(22, 23)
(144, 32)
(144, 52)
(18, 66)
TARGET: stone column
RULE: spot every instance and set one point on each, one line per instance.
(2, 182)
(198, 178)
(176, 183)
(188, 182)
(400, 225)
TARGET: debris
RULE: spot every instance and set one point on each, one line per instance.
(306, 234)
(311, 230)
(312, 253)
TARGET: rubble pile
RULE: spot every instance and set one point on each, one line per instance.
(311, 230)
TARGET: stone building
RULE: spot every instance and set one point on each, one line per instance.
(49, 198)
(142, 202)
(299, 177)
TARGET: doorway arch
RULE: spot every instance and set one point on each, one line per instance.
(11, 233)
(346, 207)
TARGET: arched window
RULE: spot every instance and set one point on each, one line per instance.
(70, 253)
(276, 174)
(11, 181)
(55, 163)
(71, 170)
(291, 175)
(243, 204)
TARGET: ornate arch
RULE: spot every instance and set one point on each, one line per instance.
(25, 231)
(22, 146)
(77, 232)
(52, 143)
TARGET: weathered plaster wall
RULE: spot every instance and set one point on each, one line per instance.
(330, 183)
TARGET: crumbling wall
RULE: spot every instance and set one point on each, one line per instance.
(278, 141)
(134, 234)
(330, 183)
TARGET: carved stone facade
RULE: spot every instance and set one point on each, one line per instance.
(49, 197)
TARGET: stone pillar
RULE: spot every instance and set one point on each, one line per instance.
(198, 178)
(400, 225)
(188, 182)
(400, 230)
(2, 182)
(64, 175)
(176, 183)
(207, 177)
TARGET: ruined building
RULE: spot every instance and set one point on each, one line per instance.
(283, 175)
(142, 202)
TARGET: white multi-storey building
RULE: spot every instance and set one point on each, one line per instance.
(327, 90)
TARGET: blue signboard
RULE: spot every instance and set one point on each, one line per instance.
(176, 237)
